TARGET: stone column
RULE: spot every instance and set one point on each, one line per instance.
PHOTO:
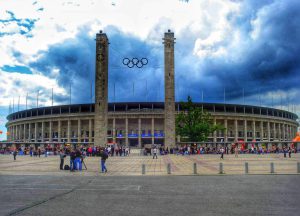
(17, 132)
(50, 131)
(43, 134)
(101, 93)
(152, 131)
(90, 130)
(269, 131)
(283, 129)
(215, 132)
(24, 132)
(114, 130)
(35, 132)
(169, 109)
(139, 135)
(261, 131)
(254, 130)
(274, 131)
(245, 131)
(59, 131)
(69, 131)
(126, 132)
(236, 130)
(79, 131)
(29, 132)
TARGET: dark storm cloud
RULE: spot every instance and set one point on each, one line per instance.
(267, 63)
(75, 59)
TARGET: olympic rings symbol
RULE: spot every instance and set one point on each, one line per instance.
(135, 62)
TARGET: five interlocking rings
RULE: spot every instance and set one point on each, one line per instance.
(135, 62)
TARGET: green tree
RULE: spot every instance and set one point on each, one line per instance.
(194, 124)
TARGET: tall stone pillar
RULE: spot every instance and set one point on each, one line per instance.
(101, 93)
(169, 125)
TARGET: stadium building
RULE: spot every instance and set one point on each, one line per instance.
(136, 124)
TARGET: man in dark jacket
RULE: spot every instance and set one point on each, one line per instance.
(72, 158)
(104, 156)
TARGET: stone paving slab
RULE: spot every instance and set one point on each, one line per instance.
(132, 165)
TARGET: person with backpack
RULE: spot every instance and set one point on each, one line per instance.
(104, 156)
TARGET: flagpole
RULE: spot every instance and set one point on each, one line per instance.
(133, 89)
(19, 104)
(52, 98)
(70, 93)
(244, 96)
(13, 104)
(37, 100)
(114, 92)
(146, 91)
(202, 97)
(224, 96)
(26, 100)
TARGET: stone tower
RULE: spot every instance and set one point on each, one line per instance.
(169, 130)
(101, 93)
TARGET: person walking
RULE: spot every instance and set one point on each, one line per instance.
(236, 152)
(155, 153)
(222, 153)
(290, 152)
(103, 156)
(15, 152)
(62, 156)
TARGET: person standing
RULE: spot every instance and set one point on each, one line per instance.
(103, 156)
(39, 152)
(222, 153)
(72, 160)
(155, 153)
(284, 152)
(62, 156)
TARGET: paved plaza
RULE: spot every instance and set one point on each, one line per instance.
(150, 195)
(132, 165)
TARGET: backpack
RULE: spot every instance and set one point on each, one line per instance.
(67, 167)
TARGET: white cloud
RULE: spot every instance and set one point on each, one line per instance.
(14, 85)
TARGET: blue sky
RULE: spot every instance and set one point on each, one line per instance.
(243, 47)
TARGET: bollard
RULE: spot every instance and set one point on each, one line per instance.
(298, 167)
(143, 169)
(195, 168)
(272, 167)
(246, 168)
(221, 168)
(169, 168)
